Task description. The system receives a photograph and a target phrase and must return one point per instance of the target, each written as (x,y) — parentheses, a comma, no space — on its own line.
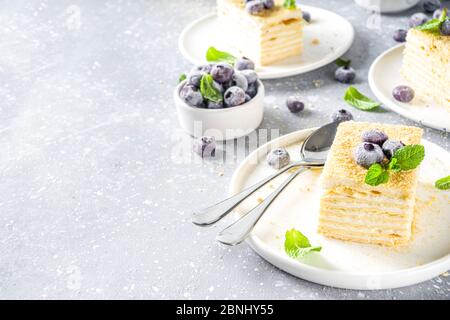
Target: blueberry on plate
(294,104)
(234,96)
(345,74)
(222,72)
(341,115)
(251,76)
(374,136)
(254,7)
(445,28)
(244,64)
(214,105)
(417,19)
(366,154)
(278,158)
(205,146)
(191,96)
(239,80)
(306,16)
(391,146)
(400,35)
(403,93)
(430,6)
(269,4)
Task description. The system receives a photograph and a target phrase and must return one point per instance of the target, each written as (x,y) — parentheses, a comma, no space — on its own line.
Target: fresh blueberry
(205,146)
(252,89)
(341,115)
(194,78)
(445,28)
(247,98)
(234,96)
(345,74)
(403,93)
(218,86)
(269,4)
(374,136)
(254,7)
(430,6)
(391,146)
(306,16)
(191,96)
(417,19)
(222,72)
(244,64)
(251,76)
(278,158)
(294,104)
(239,80)
(204,68)
(366,154)
(400,35)
(437,14)
(214,105)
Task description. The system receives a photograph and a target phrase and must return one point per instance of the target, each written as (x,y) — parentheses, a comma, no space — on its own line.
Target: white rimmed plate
(326,38)
(344,264)
(384,75)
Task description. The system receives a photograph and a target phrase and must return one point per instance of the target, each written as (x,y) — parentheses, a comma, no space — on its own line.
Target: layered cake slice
(426,66)
(264,35)
(353,210)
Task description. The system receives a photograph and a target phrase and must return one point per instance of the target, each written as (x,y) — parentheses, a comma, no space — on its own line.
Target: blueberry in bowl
(220,100)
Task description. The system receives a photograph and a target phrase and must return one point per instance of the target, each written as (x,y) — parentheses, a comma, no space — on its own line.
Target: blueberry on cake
(265,31)
(369,183)
(426,60)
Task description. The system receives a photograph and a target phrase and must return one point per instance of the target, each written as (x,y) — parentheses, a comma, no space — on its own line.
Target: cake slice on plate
(426,66)
(266,37)
(351,209)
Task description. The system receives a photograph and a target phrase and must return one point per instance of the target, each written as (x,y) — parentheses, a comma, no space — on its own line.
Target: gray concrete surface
(93,202)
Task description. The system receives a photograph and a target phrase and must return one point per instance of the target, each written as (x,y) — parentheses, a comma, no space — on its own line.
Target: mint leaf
(355,98)
(376,175)
(409,157)
(290,4)
(214,55)
(208,90)
(297,245)
(443,184)
(434,25)
(182,78)
(343,63)
(393,166)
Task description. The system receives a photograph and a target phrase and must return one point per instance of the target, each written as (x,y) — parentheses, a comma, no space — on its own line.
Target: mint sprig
(290,4)
(356,99)
(434,25)
(406,158)
(208,90)
(343,63)
(214,55)
(182,78)
(443,183)
(297,245)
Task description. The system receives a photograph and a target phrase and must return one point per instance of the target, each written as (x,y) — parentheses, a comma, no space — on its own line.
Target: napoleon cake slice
(267,37)
(426,66)
(352,210)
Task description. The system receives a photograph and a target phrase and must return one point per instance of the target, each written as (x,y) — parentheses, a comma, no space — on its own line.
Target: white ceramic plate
(344,264)
(334,34)
(384,75)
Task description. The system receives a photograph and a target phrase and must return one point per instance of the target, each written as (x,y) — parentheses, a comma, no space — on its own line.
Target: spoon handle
(240,229)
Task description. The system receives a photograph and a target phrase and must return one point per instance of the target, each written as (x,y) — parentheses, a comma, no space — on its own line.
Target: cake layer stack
(266,38)
(426,66)
(354,211)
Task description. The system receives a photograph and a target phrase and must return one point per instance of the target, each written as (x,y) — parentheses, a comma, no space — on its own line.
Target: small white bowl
(222,124)
(387,6)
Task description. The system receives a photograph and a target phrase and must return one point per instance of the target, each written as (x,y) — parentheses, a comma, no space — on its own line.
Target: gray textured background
(93,202)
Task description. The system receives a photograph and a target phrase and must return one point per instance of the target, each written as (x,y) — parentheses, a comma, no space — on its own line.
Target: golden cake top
(277,14)
(438,42)
(341,168)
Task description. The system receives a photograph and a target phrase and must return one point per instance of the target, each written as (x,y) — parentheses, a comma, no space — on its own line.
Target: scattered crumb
(220,173)
(260,200)
(315,42)
(318,83)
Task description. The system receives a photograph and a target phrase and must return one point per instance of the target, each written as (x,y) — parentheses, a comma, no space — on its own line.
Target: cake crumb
(445,274)
(260,200)
(315,42)
(318,83)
